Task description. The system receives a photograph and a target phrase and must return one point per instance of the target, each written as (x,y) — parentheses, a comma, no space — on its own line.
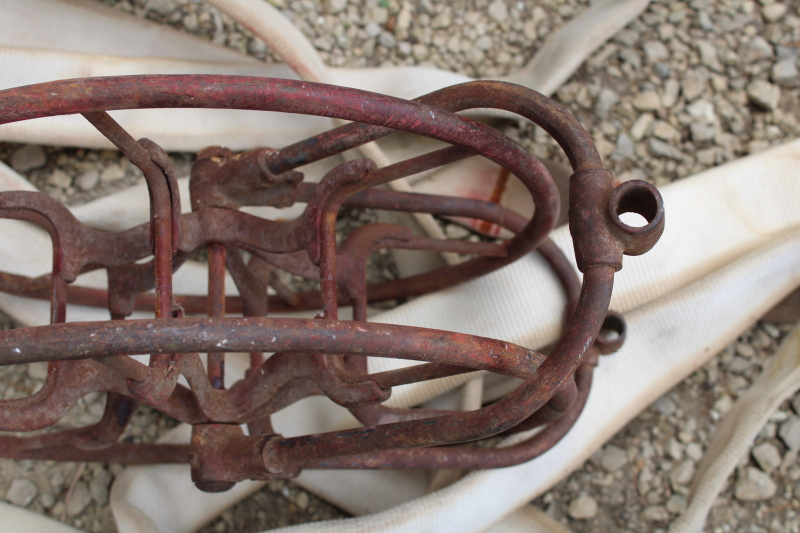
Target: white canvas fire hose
(741,217)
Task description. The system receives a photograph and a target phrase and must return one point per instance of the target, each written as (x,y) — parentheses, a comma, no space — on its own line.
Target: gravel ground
(685,87)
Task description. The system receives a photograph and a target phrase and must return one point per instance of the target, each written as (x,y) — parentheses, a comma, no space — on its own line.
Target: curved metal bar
(84,340)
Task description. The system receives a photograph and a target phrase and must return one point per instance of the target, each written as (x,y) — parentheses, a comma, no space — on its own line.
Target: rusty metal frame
(326,356)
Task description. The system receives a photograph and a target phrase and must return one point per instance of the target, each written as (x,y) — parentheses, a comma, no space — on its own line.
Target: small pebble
(753,485)
(789,432)
(682,473)
(112,173)
(774,11)
(613,458)
(655,513)
(37,371)
(498,11)
(662,149)
(647,101)
(767,456)
(655,51)
(764,94)
(88,180)
(582,508)
(21,492)
(28,157)
(302,500)
(60,179)
(676,503)
(47,500)
(784,70)
(81,498)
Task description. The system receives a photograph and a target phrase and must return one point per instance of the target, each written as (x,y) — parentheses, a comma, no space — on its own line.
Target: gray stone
(655,513)
(753,485)
(647,101)
(37,370)
(739,365)
(784,70)
(626,148)
(789,432)
(767,456)
(334,6)
(674,449)
(302,500)
(607,99)
(47,500)
(669,96)
(57,481)
(773,12)
(702,132)
(190,22)
(641,126)
(704,20)
(655,51)
(664,131)
(475,56)
(723,404)
(613,458)
(442,21)
(21,492)
(756,49)
(81,498)
(709,156)
(387,40)
(708,55)
(630,56)
(484,43)
(88,180)
(728,57)
(324,43)
(420,52)
(682,473)
(764,94)
(662,149)
(796,403)
(60,179)
(702,111)
(454,44)
(498,11)
(162,7)
(626,37)
(694,451)
(98,486)
(373,29)
(676,503)
(583,507)
(662,70)
(665,405)
(403,21)
(753,147)
(112,173)
(28,158)
(745,350)
(693,84)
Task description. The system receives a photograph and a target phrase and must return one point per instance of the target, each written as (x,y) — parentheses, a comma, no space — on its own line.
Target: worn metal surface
(326,356)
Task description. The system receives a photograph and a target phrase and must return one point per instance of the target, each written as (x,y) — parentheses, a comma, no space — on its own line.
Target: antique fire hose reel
(327,356)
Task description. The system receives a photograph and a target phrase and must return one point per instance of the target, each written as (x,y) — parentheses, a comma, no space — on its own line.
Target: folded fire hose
(693,304)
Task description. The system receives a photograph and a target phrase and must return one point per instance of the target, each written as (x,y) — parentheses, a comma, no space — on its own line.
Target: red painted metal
(326,356)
